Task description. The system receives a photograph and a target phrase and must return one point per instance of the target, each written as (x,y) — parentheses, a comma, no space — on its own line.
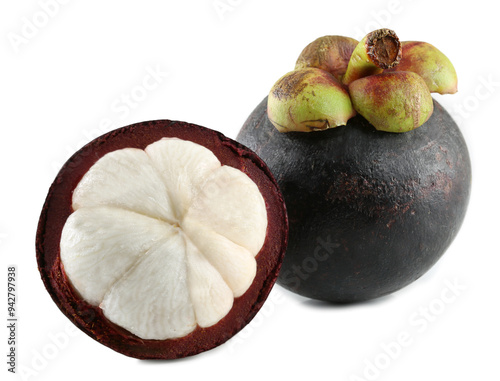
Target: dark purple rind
(369,211)
(90,319)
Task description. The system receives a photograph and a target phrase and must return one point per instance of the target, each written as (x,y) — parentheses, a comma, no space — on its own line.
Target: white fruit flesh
(163,239)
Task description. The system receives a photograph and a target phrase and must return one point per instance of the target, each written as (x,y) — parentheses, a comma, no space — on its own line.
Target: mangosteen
(375,173)
(161,239)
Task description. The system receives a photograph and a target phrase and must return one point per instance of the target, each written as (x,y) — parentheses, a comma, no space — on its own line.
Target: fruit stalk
(377,51)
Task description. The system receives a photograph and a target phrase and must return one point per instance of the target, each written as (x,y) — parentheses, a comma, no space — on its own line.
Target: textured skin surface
(369,211)
(90,319)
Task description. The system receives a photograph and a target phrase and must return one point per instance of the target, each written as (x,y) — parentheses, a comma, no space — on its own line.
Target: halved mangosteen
(162,239)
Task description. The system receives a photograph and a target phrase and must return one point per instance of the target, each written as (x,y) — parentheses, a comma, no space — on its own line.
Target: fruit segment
(183,166)
(152,299)
(99,244)
(163,239)
(211,296)
(231,205)
(235,264)
(126,179)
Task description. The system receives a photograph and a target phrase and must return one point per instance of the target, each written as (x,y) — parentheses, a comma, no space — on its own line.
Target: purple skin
(369,211)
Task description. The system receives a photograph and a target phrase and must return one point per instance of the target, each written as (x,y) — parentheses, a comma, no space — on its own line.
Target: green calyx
(309,99)
(387,81)
(392,102)
(329,53)
(429,63)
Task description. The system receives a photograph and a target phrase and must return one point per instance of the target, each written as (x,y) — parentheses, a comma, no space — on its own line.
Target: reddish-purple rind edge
(90,319)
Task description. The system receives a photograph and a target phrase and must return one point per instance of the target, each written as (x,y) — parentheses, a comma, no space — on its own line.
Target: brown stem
(377,51)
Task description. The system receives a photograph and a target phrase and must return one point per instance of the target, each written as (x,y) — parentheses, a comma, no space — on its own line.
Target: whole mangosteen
(374,202)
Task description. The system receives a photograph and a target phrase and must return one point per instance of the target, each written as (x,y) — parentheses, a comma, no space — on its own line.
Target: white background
(63,81)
